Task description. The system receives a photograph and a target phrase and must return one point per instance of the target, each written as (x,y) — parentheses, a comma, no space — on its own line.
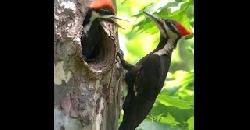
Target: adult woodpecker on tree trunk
(97,11)
(146,78)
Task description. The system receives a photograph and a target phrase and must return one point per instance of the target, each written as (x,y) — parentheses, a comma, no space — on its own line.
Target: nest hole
(100,56)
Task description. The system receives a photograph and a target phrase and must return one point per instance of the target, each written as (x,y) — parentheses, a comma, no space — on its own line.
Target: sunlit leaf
(151,125)
(169,119)
(174,101)
(180,115)
(191,123)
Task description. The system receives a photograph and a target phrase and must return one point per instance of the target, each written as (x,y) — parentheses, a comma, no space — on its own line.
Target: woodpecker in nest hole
(97,11)
(146,78)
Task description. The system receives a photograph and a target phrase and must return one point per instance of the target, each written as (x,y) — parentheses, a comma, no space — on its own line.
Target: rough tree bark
(87,96)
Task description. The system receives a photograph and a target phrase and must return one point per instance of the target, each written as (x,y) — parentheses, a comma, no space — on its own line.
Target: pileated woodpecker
(97,11)
(146,78)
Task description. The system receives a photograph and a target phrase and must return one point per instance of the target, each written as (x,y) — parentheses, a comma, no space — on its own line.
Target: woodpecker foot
(83,58)
(120,54)
(124,63)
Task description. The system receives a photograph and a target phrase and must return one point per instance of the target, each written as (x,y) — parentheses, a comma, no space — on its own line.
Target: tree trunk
(87,96)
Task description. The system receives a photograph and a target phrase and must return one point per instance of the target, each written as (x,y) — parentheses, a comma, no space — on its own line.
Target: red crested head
(183,31)
(102,4)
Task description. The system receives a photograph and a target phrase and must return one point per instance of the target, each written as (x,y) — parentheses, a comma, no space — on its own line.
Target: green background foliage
(174,107)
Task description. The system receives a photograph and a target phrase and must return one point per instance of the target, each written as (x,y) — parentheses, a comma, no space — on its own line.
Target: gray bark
(87,96)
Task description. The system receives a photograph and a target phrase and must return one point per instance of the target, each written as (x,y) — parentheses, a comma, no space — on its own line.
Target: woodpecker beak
(184,32)
(155,19)
(159,22)
(112,19)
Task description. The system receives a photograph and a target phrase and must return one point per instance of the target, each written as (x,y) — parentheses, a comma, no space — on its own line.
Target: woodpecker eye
(105,12)
(171,26)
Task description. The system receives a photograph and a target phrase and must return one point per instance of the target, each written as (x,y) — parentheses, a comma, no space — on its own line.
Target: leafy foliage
(174,107)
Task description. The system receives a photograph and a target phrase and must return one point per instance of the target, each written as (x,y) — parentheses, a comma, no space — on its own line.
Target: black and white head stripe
(167,27)
(171,25)
(101,14)
(90,12)
(93,15)
(162,26)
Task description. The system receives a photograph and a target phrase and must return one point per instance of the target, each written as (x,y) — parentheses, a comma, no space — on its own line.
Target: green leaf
(172,4)
(170,115)
(164,12)
(152,125)
(191,123)
(146,23)
(135,50)
(172,90)
(174,101)
(158,110)
(141,11)
(169,119)
(180,115)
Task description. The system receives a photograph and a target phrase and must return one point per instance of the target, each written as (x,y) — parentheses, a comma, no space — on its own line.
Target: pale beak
(155,19)
(158,22)
(112,18)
